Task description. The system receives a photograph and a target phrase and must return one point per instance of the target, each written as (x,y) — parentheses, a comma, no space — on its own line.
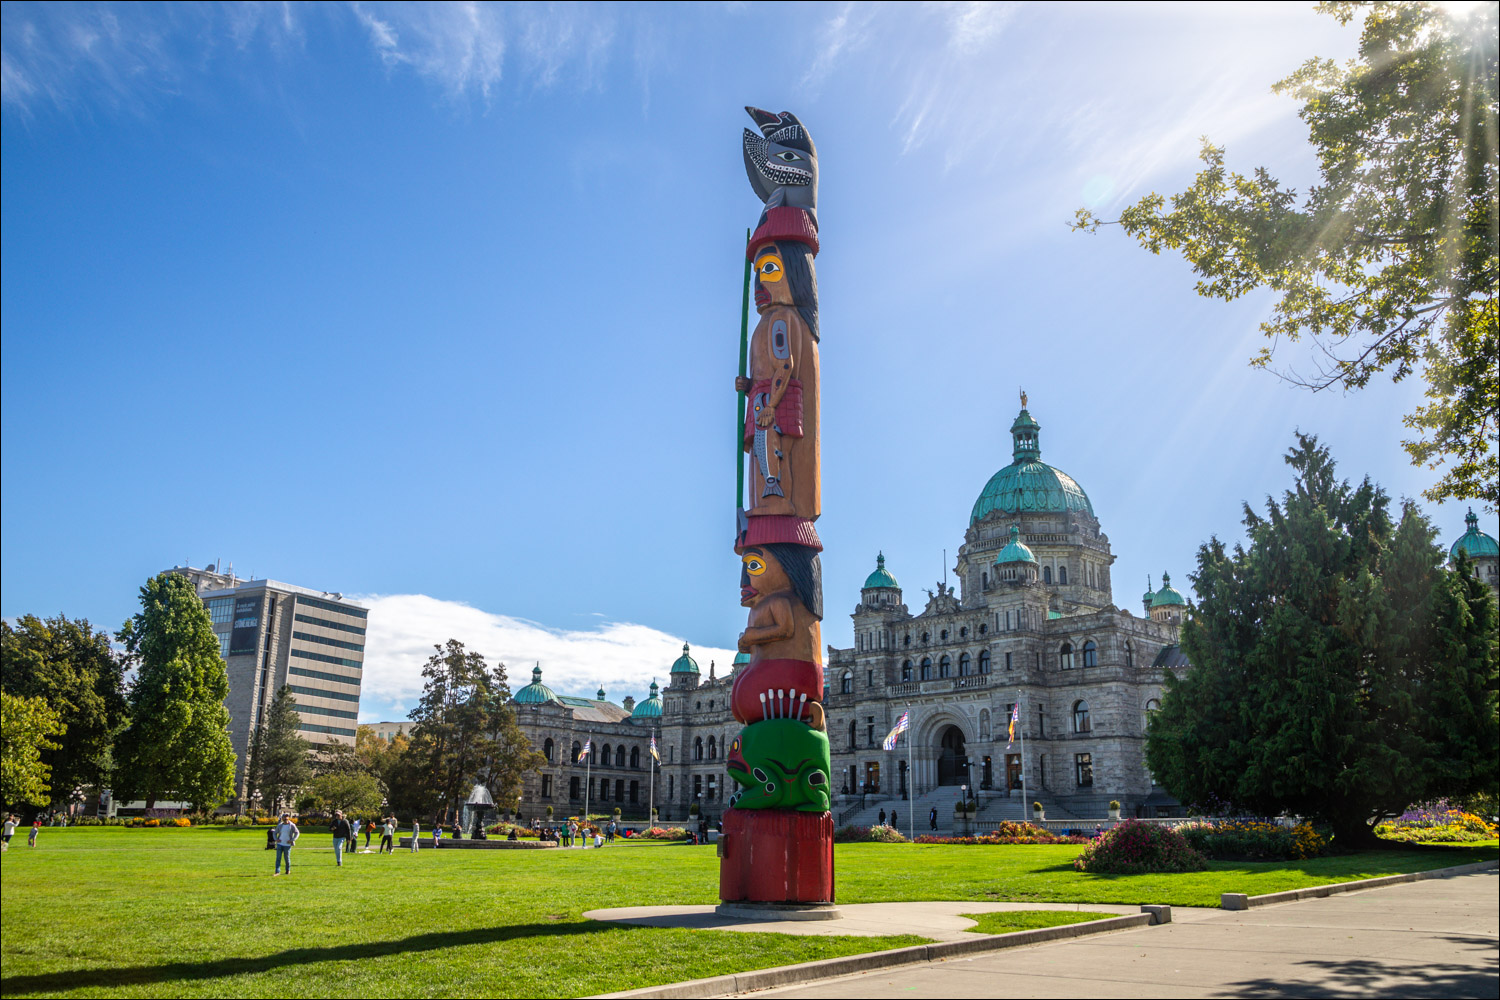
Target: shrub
(1253,840)
(1008,832)
(664,833)
(1114,804)
(1437,825)
(1136,848)
(868,835)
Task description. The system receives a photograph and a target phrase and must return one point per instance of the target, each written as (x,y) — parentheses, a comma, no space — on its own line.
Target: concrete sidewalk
(1439,938)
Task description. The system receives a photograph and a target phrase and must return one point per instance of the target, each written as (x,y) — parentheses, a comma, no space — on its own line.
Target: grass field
(114,912)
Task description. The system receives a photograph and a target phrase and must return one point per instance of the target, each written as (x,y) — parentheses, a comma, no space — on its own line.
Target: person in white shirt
(10,831)
(416,834)
(286,835)
(388,836)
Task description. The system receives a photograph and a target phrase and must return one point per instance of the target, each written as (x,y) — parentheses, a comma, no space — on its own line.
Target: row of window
(221,610)
(308,727)
(321,676)
(926,672)
(320,693)
(358,647)
(335,712)
(304,654)
(338,609)
(604,756)
(327,623)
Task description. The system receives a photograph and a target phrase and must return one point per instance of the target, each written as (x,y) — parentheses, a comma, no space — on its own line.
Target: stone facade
(1032,622)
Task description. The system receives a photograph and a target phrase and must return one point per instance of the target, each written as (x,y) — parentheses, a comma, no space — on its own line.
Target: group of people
(895,822)
(345,830)
(11,822)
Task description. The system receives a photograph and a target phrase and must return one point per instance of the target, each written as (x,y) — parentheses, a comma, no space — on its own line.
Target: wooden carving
(781,758)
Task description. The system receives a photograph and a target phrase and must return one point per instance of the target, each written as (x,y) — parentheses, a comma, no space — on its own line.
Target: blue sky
(438,304)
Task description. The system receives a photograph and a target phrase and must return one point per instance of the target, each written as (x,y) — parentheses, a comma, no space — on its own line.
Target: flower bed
(1438,825)
(663,833)
(1136,848)
(868,835)
(1253,840)
(1008,832)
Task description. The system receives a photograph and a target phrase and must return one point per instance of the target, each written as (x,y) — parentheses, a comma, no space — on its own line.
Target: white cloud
(621,657)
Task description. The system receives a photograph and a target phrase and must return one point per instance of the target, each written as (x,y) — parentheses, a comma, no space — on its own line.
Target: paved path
(1438,938)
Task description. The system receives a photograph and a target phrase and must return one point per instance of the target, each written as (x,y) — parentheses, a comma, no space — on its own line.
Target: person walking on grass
(36,828)
(388,836)
(416,834)
(354,825)
(341,836)
(286,835)
(369,829)
(10,831)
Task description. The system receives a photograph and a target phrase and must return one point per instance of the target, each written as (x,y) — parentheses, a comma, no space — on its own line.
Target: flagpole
(651,788)
(911,778)
(1021,724)
(588,781)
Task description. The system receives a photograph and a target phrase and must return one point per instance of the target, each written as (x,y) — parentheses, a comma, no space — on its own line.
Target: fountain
(480,800)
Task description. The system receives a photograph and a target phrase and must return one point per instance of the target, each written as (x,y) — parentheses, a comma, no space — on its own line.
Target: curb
(830,968)
(1240,901)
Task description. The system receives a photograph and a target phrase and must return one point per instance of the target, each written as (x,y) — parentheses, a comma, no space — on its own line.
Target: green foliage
(465,733)
(27,726)
(867,835)
(352,791)
(1136,848)
(1339,669)
(71,666)
(278,764)
(1253,840)
(1390,263)
(177,745)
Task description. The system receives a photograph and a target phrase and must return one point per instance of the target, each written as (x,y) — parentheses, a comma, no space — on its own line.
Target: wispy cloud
(621,657)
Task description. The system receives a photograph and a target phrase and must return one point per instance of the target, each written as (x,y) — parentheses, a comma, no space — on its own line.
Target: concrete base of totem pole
(777,864)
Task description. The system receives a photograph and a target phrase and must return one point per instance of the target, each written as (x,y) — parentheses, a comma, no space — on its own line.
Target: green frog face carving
(780,764)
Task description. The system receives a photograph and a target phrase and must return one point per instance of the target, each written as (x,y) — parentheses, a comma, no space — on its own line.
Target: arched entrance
(953,762)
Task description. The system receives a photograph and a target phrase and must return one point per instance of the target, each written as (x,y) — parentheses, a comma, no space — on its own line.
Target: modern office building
(273,633)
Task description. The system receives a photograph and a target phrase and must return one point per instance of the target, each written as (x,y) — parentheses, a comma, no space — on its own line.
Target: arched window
(906,639)
(1152,707)
(963,631)
(605,759)
(983,628)
(984,661)
(964,664)
(547,749)
(713,748)
(577,749)
(635,758)
(926,668)
(620,755)
(906,670)
(1046,574)
(984,580)
(846,683)
(1090,654)
(926,637)
(853,734)
(944,635)
(1065,656)
(1062,574)
(945,666)
(698,748)
(1081,717)
(1129,653)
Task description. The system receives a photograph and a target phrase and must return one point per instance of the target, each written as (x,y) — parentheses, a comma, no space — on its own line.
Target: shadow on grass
(1372,977)
(169,972)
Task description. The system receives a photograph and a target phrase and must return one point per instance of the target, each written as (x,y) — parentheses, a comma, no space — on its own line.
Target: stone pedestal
(776,856)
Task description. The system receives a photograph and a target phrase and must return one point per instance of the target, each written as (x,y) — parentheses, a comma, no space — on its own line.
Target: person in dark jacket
(342,834)
(932,819)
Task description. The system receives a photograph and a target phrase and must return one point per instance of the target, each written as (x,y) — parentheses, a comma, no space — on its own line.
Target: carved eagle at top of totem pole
(782,162)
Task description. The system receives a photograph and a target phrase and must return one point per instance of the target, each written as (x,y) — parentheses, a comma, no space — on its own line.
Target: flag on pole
(585,751)
(896,730)
(653,749)
(1015,717)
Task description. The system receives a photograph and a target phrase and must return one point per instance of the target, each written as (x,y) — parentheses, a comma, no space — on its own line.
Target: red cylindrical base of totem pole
(776,856)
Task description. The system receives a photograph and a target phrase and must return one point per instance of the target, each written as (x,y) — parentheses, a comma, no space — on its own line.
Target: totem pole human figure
(778,832)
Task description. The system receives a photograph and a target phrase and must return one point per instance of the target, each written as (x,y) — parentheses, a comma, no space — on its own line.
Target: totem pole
(778,833)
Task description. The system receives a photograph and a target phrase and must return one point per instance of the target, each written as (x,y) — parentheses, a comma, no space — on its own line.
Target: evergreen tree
(70,666)
(279,763)
(177,745)
(1339,670)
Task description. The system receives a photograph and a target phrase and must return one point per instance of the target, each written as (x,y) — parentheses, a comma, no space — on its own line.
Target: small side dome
(600,696)
(1149,595)
(535,693)
(1474,542)
(740,660)
(685,664)
(881,578)
(1015,550)
(1167,594)
(651,707)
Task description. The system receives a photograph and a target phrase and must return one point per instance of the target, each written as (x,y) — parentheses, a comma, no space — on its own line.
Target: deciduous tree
(1390,262)
(27,726)
(71,666)
(177,744)
(1340,670)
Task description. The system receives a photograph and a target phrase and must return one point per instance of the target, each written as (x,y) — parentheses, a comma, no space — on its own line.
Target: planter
(1114,815)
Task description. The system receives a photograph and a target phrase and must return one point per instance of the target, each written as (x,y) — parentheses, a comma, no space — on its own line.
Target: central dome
(1028,483)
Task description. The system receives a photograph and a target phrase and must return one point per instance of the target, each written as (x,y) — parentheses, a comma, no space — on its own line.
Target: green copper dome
(535,693)
(1016,551)
(685,664)
(881,578)
(1028,483)
(651,707)
(740,660)
(1167,594)
(1150,594)
(1475,542)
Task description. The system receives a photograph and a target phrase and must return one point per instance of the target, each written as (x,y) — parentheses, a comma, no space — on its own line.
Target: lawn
(114,912)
